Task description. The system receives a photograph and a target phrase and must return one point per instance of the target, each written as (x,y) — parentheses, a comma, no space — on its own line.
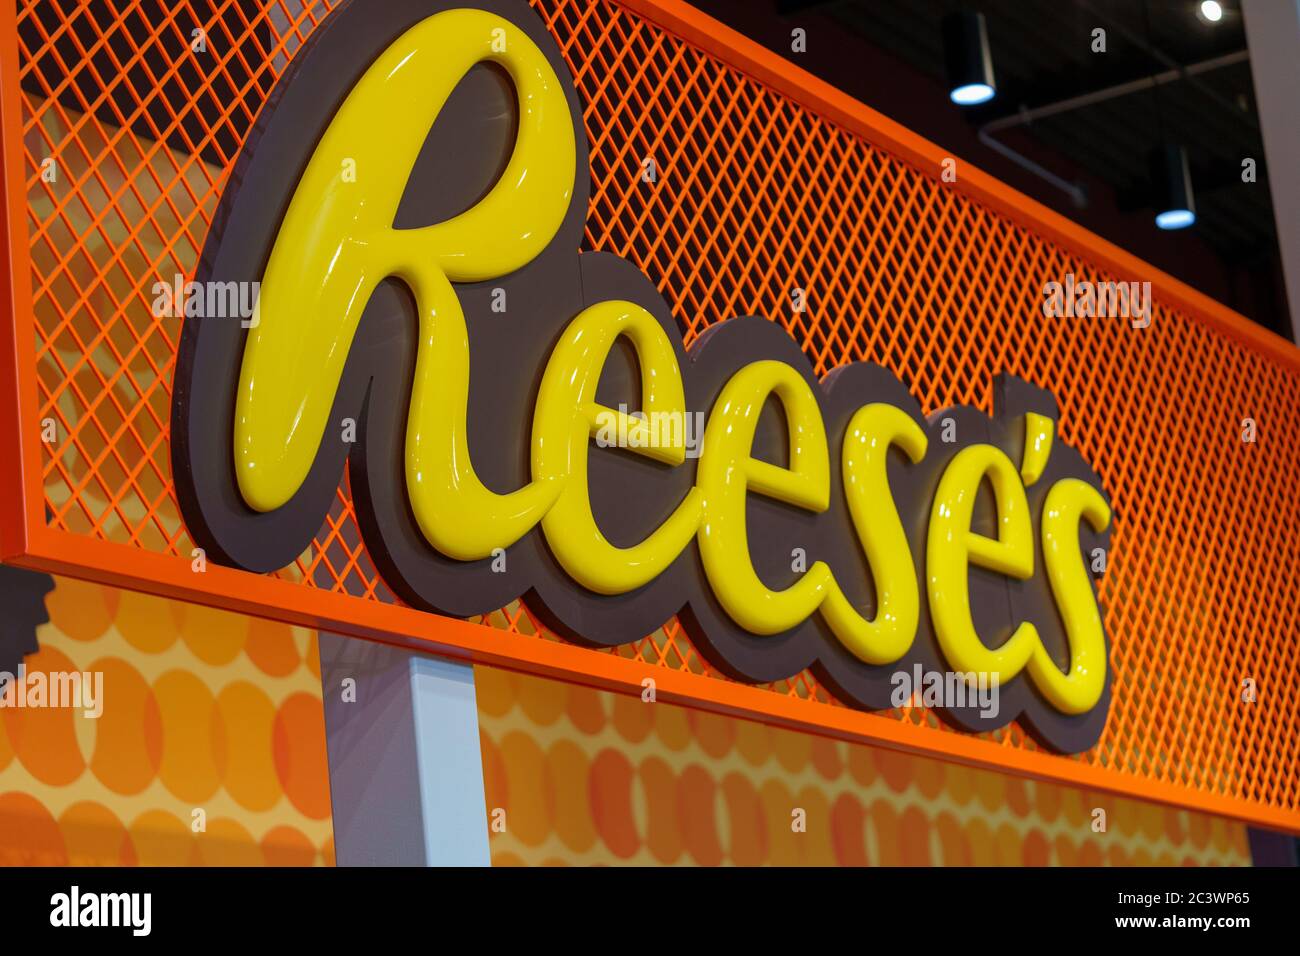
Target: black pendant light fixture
(969,62)
(1170,176)
(1171,185)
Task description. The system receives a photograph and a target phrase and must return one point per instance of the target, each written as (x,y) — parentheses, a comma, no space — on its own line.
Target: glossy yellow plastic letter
(337,242)
(727,472)
(566,418)
(1076,692)
(952,547)
(871,432)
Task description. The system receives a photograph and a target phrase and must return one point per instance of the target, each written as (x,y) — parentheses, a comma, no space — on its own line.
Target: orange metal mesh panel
(756,195)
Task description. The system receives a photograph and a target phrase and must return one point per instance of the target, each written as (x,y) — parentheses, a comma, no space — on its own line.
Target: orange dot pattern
(210,711)
(210,749)
(579,777)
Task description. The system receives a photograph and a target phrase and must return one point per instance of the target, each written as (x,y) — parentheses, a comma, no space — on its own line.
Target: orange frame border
(26,540)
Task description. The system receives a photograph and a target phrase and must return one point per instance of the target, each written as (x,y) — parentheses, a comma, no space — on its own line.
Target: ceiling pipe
(1025,117)
(1173,64)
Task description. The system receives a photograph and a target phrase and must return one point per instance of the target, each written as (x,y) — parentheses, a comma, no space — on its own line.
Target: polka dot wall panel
(210,750)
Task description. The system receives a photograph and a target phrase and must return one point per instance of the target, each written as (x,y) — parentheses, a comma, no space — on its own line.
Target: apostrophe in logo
(412,203)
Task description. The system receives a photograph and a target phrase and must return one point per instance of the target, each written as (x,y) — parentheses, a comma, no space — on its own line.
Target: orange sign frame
(28,540)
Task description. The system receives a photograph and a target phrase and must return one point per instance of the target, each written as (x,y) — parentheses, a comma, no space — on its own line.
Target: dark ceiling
(1040,59)
(889,54)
